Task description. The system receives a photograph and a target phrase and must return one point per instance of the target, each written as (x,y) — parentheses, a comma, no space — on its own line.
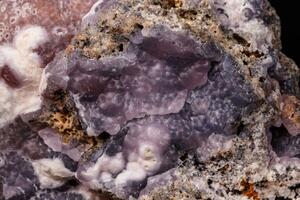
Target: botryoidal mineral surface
(147,99)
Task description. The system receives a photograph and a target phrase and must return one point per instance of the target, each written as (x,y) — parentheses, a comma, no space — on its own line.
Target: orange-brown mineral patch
(291,114)
(249,190)
(167,4)
(110,38)
(60,18)
(62,117)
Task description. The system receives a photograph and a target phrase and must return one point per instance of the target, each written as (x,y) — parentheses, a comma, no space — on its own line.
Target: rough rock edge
(251,152)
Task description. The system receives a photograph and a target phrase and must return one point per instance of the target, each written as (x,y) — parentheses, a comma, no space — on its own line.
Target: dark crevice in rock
(167,4)
(187,14)
(240,40)
(283,143)
(282,198)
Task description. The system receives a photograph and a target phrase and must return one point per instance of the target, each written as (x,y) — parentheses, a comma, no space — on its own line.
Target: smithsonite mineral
(147,99)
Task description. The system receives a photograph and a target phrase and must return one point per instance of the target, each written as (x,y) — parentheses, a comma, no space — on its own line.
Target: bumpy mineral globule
(150,100)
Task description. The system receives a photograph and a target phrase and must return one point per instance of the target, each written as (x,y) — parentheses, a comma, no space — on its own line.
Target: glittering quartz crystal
(146,99)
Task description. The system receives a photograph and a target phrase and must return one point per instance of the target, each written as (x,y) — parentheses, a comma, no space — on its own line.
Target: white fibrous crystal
(51,172)
(24,63)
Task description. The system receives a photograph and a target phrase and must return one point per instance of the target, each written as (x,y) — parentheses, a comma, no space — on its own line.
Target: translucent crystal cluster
(146,99)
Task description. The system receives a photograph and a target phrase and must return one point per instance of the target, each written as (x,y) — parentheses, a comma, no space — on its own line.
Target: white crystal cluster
(25,64)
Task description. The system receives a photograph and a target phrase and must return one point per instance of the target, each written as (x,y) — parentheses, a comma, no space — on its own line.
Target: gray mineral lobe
(152,100)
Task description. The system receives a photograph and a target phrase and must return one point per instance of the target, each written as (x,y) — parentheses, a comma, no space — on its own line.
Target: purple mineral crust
(151,77)
(149,97)
(20,149)
(165,93)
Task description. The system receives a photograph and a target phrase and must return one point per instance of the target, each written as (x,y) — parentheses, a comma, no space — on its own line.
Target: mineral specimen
(31,33)
(151,99)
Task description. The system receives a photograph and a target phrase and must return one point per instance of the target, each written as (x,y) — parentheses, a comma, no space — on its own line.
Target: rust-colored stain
(62,117)
(175,3)
(249,190)
(168,4)
(290,113)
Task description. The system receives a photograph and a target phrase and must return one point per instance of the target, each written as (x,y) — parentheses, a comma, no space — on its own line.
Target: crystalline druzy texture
(151,77)
(152,99)
(165,92)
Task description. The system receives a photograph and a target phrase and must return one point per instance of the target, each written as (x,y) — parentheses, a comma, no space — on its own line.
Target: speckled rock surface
(152,99)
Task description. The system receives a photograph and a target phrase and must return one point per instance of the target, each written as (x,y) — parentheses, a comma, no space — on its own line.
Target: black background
(290,25)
